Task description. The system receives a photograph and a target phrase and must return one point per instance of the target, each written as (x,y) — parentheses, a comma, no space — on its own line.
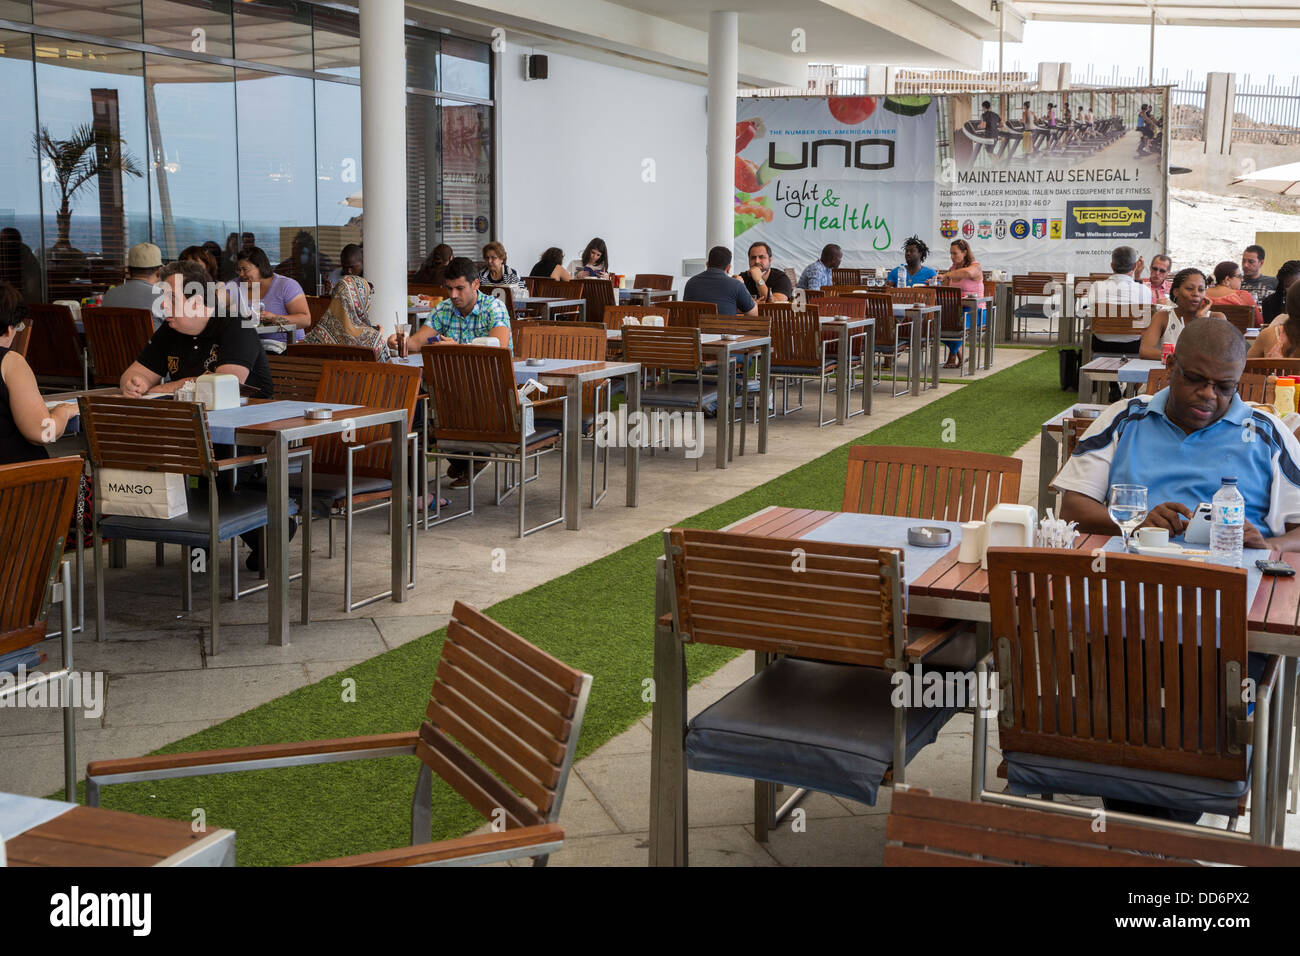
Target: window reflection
(192,157)
(423,177)
(464,68)
(20,204)
(277,175)
(112,21)
(337,42)
(275,32)
(19,11)
(338,170)
(422,60)
(466,177)
(92,133)
(191,26)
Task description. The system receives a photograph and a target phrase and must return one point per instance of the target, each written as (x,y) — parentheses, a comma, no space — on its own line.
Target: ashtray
(728,337)
(319,414)
(534,362)
(928,537)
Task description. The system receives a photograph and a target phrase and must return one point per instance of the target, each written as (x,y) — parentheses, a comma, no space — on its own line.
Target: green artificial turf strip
(598,618)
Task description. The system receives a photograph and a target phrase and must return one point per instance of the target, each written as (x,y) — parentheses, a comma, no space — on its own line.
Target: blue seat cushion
(779,370)
(827,727)
(239,512)
(28,658)
(1033,774)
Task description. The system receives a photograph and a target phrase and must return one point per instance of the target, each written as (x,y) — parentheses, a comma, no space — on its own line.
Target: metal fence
(1267,111)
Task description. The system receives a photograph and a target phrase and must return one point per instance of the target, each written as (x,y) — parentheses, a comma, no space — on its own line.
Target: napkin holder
(488,340)
(216,391)
(1008,526)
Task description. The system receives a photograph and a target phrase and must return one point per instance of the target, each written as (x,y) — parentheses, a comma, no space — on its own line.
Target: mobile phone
(1279,568)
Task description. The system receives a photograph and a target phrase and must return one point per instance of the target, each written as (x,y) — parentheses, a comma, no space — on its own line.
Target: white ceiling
(1225,13)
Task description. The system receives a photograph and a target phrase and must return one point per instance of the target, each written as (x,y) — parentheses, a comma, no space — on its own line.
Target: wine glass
(1128,509)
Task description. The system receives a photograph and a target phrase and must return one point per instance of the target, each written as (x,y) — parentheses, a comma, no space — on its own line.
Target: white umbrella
(353,200)
(1287,176)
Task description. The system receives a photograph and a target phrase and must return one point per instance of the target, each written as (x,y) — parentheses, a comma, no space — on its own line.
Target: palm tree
(77,160)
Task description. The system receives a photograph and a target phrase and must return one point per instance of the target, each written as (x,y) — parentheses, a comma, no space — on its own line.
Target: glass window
(421,60)
(466,177)
(277,181)
(338,170)
(423,177)
(191,26)
(192,156)
(20,201)
(93,159)
(112,21)
(275,32)
(17,10)
(464,68)
(338,42)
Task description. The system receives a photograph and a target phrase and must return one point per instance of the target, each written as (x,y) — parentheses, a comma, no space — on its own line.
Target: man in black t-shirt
(762,282)
(991,121)
(193,340)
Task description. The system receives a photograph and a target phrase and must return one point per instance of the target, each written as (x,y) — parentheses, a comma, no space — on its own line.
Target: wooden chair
(799,352)
(1242,317)
(925,830)
(735,324)
(913,295)
(676,349)
(53,346)
(172,438)
(846,277)
(956,324)
(652,280)
(851,288)
(503,292)
(501,729)
(599,295)
(1088,685)
(805,718)
(36,503)
(359,472)
(559,289)
(893,338)
(317,306)
(115,338)
(1116,319)
(1252,387)
(557,340)
(615,314)
(1043,289)
(332,353)
(936,483)
(530,283)
(432,291)
(478,418)
(294,377)
(1281,367)
(686,315)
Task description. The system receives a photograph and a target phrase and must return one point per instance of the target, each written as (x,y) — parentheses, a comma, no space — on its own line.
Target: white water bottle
(1227,524)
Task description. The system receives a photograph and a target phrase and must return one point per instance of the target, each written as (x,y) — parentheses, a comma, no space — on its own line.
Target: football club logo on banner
(1020,228)
(986,229)
(1057,225)
(948,228)
(1040,228)
(968,229)
(1000,229)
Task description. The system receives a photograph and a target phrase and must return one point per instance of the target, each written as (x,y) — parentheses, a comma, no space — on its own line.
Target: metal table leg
(277,540)
(397,510)
(994,316)
(1049,458)
(868,363)
(572,425)
(1280,758)
(724,387)
(914,353)
(632,392)
(936,348)
(764,394)
(843,376)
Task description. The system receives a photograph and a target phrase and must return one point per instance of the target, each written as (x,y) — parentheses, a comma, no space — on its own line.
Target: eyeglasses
(1197,382)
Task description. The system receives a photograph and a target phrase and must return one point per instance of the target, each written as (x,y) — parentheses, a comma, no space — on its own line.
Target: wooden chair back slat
(838,603)
(425,288)
(796,336)
(1253,386)
(846,277)
(952,317)
(686,315)
(1242,317)
(564,341)
(655,348)
(851,288)
(937,483)
(363,383)
(855,307)
(600,295)
(878,306)
(1034,285)
(146,435)
(652,280)
(615,314)
(472,388)
(1110,318)
(36,502)
(914,295)
(1282,367)
(317,306)
(736,324)
(1166,699)
(512,707)
(332,353)
(925,830)
(53,347)
(294,378)
(503,292)
(115,337)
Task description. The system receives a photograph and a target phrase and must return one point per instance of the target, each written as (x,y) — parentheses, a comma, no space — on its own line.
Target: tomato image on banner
(852,110)
(746,176)
(746,130)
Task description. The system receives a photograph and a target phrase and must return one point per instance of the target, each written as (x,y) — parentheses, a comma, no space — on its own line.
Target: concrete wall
(573,165)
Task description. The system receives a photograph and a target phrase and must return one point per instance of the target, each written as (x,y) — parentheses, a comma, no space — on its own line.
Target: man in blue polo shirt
(1181,442)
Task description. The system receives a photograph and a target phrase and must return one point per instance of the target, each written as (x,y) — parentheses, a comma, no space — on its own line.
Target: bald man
(1181,442)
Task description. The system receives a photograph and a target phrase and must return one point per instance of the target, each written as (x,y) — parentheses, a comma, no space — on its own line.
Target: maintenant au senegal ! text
(977,176)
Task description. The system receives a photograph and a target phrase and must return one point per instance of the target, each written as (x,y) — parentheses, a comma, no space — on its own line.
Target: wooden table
(71,835)
(1128,369)
(1050,447)
(951,589)
(849,329)
(573,377)
(645,296)
(725,348)
(550,304)
(974,303)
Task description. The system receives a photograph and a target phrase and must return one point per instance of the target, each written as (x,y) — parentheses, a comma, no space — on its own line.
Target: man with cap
(141,289)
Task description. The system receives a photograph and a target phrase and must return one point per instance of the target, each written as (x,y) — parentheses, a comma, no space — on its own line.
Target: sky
(1256,51)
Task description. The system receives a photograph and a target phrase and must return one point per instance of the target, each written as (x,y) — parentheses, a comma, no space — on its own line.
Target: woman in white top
(1187,293)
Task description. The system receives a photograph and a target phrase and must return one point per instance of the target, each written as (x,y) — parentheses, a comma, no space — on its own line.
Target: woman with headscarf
(344,322)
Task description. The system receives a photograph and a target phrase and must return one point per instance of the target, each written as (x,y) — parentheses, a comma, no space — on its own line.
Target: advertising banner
(1059,182)
(858,171)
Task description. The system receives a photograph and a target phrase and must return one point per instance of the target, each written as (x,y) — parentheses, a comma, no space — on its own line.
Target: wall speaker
(537,66)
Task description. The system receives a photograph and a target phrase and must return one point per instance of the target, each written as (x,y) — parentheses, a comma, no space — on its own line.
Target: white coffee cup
(1153,537)
(973,538)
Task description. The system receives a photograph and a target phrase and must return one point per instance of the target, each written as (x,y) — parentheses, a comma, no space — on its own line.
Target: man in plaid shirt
(469,314)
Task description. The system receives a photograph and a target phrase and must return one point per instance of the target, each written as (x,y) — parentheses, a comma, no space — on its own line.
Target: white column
(383,157)
(724,29)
